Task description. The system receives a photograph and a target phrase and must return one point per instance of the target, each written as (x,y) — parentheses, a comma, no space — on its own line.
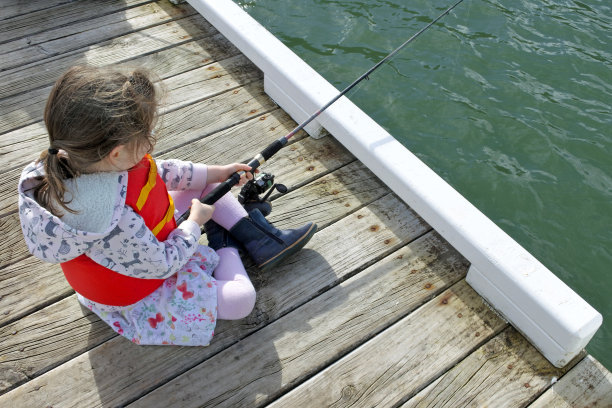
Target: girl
(98,203)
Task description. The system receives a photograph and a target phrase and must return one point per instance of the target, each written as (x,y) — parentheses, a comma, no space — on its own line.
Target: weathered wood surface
(12,8)
(505,372)
(17,27)
(120,49)
(46,338)
(587,385)
(26,108)
(85,32)
(317,333)
(373,312)
(396,363)
(8,196)
(73,338)
(123,372)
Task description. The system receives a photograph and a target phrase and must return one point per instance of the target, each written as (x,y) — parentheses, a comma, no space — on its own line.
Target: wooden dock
(374,312)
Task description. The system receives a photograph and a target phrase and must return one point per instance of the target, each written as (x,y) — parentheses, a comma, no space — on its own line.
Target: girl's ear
(114,157)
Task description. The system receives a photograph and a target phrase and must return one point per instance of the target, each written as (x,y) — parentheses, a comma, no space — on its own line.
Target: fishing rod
(275,146)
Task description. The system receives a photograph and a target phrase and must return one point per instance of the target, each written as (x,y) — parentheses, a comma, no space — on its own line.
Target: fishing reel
(250,193)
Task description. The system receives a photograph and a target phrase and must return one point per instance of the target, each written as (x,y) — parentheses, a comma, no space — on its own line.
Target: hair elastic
(51,150)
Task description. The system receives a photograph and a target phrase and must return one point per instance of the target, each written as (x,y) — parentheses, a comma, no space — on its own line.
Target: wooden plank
(185,57)
(12,8)
(29,285)
(8,193)
(75,337)
(120,49)
(26,108)
(13,249)
(586,385)
(82,34)
(22,146)
(52,335)
(23,109)
(213,115)
(211,80)
(393,226)
(349,188)
(318,333)
(506,372)
(118,371)
(221,111)
(409,355)
(38,21)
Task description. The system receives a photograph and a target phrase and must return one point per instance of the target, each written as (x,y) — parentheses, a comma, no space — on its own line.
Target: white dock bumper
(551,315)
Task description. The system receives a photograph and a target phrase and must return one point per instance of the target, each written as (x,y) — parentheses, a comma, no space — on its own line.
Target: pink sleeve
(182,175)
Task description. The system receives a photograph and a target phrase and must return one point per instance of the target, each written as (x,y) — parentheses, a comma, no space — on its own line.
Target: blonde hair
(89,112)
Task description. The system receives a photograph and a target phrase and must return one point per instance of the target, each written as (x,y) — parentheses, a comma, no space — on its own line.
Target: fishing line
(275,146)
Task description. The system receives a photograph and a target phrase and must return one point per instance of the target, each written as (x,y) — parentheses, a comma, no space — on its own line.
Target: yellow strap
(167,217)
(144,193)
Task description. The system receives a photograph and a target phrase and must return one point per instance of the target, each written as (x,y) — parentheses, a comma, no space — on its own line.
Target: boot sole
(296,246)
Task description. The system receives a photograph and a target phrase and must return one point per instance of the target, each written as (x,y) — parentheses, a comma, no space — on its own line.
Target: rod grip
(273,148)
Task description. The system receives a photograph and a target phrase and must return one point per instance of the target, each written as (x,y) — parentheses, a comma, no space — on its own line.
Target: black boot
(218,237)
(266,244)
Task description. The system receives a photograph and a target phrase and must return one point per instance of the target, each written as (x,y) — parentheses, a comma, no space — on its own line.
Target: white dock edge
(551,315)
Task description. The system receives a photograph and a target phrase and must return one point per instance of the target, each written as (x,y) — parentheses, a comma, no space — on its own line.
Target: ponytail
(51,191)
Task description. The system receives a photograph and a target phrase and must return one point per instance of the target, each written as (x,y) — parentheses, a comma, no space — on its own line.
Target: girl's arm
(182,175)
(218,174)
(132,249)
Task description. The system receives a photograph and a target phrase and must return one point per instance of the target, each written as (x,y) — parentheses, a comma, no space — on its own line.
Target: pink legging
(235,292)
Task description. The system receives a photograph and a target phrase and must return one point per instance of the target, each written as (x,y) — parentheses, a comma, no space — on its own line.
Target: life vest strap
(169,215)
(151,181)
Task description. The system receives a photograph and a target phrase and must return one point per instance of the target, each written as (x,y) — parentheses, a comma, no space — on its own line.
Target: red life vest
(147,195)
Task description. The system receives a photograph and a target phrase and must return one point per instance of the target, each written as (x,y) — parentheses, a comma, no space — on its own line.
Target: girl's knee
(235,300)
(247,302)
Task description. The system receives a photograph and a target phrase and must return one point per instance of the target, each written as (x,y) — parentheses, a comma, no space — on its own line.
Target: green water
(509,101)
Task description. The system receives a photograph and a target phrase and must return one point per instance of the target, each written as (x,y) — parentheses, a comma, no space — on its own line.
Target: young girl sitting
(98,203)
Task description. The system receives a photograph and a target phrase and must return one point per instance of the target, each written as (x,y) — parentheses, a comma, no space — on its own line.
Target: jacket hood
(47,236)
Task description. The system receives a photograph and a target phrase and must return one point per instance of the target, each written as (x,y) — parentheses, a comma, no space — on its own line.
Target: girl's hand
(200,213)
(218,174)
(243,177)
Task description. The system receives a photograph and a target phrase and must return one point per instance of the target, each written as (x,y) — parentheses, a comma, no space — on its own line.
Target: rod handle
(273,147)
